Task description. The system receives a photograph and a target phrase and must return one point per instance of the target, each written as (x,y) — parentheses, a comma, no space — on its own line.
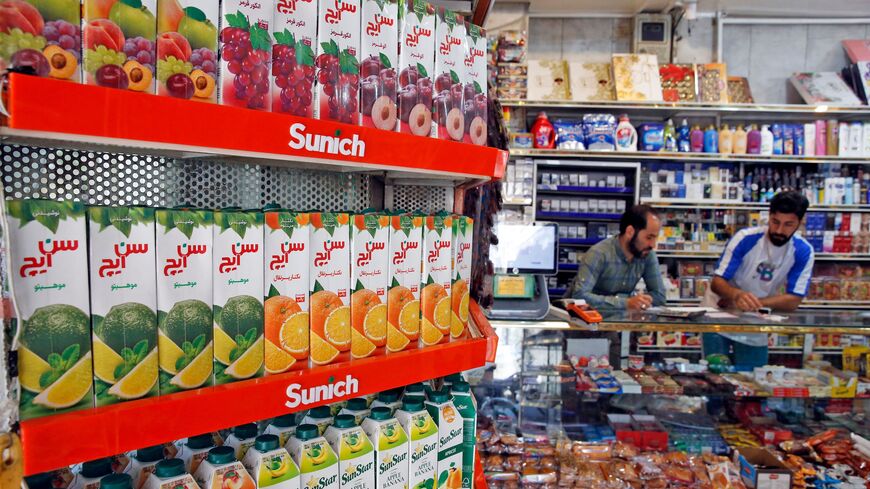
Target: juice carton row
(396,65)
(415,436)
(119,303)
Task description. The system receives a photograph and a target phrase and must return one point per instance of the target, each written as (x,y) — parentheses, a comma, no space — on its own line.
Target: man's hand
(747,301)
(640,302)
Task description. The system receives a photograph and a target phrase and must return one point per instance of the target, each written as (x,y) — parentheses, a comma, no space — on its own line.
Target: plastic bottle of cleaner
(270,465)
(389,399)
(116,481)
(241,439)
(356,456)
(91,474)
(465,403)
(358,408)
(423,441)
(284,426)
(767,140)
(670,137)
(697,139)
(314,457)
(221,469)
(776,132)
(684,144)
(726,138)
(142,464)
(753,140)
(543,134)
(170,473)
(391,449)
(626,135)
(711,140)
(320,417)
(450,440)
(194,450)
(738,141)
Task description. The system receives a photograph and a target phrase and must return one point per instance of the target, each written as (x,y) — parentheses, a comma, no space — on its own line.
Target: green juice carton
(358,408)
(283,426)
(238,295)
(356,456)
(318,464)
(391,449)
(184,293)
(170,474)
(422,442)
(48,269)
(270,465)
(321,416)
(221,470)
(143,463)
(242,439)
(466,404)
(450,440)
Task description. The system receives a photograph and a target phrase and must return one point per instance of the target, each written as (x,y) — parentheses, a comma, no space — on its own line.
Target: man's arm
(783,302)
(652,277)
(591,266)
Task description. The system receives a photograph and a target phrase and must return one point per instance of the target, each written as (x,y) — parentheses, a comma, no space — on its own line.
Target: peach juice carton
(45,37)
(119,49)
(187,56)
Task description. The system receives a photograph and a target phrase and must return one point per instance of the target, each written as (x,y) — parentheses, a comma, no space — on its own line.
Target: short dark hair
(789,202)
(635,217)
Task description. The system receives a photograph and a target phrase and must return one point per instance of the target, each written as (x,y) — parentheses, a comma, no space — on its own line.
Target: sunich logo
(297,396)
(323,143)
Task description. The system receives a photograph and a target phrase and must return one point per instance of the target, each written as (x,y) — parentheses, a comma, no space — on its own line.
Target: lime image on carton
(270,465)
(318,463)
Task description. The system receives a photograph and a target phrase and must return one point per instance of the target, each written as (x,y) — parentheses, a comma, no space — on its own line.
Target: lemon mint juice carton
(318,464)
(422,442)
(356,456)
(329,284)
(286,254)
(170,474)
(391,449)
(437,277)
(221,470)
(48,270)
(405,272)
(270,465)
(463,233)
(450,440)
(465,403)
(184,297)
(238,295)
(369,238)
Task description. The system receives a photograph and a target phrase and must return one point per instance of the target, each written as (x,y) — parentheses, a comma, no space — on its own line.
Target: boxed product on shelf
(246,53)
(57,41)
(463,235)
(369,242)
(417,67)
(119,45)
(712,83)
(823,88)
(678,82)
(591,81)
(636,77)
(294,29)
(548,80)
(405,277)
(761,469)
(187,58)
(451,46)
(437,275)
(336,90)
(330,288)
(476,93)
(379,58)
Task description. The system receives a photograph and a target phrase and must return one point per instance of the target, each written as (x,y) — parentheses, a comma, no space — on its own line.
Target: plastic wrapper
(493,462)
(647,468)
(569,134)
(501,476)
(600,132)
(513,462)
(593,451)
(678,474)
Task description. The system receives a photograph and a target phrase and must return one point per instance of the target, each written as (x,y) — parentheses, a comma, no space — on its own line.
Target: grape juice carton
(356,455)
(405,272)
(48,269)
(422,442)
(187,57)
(476,101)
(237,264)
(435,296)
(466,405)
(246,53)
(45,36)
(450,439)
(416,66)
(222,470)
(184,297)
(270,465)
(123,303)
(463,235)
(369,240)
(318,464)
(379,57)
(336,93)
(287,257)
(119,48)
(170,474)
(329,284)
(391,449)
(450,48)
(294,28)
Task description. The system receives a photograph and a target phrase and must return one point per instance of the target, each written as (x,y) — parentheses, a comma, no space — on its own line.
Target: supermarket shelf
(683,157)
(748,206)
(93,117)
(807,304)
(579,241)
(697,349)
(714,255)
(569,189)
(574,216)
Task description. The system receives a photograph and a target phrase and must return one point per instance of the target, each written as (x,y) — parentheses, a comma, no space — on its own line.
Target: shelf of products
(689,157)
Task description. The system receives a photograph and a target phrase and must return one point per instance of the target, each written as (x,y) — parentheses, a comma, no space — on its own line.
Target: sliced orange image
(430,334)
(361,347)
(396,340)
(322,353)
(277,360)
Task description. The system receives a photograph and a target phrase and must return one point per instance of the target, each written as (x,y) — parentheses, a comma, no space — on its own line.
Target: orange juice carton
(194,450)
(238,295)
(318,463)
(143,463)
(321,417)
(270,465)
(422,442)
(91,474)
(187,57)
(241,439)
(294,28)
(246,54)
(329,284)
(283,426)
(44,36)
(435,296)
(356,455)
(119,48)
(451,41)
(184,297)
(169,474)
(336,92)
(222,470)
(48,269)
(391,449)
(406,268)
(379,57)
(475,108)
(286,255)
(450,440)
(388,399)
(416,67)
(463,234)
(369,241)
(358,408)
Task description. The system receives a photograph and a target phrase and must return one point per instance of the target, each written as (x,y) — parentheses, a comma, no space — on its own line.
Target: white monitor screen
(525,248)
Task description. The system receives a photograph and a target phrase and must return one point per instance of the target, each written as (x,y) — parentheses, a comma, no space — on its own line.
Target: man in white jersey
(757,263)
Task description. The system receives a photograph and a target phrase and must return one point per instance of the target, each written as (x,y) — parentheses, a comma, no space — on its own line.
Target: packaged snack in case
(451,44)
(294,28)
(246,54)
(187,60)
(45,36)
(379,57)
(336,94)
(416,65)
(119,49)
(475,111)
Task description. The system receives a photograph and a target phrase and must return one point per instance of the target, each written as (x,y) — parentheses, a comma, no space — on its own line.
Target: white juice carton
(242,439)
(143,463)
(246,54)
(451,40)
(329,284)
(221,470)
(294,28)
(406,269)
(123,303)
(391,449)
(320,417)
(450,429)
(416,67)
(194,450)
(270,465)
(170,474)
(92,473)
(283,426)
(48,268)
(422,442)
(356,455)
(476,101)
(388,399)
(379,57)
(369,241)
(463,235)
(238,295)
(184,298)
(336,94)
(466,404)
(435,296)
(318,464)
(358,408)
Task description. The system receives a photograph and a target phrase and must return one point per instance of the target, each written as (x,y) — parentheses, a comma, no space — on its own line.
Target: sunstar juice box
(321,417)
(329,284)
(450,51)
(123,302)
(221,470)
(287,257)
(119,44)
(450,428)
(463,235)
(378,61)
(370,239)
(294,28)
(241,439)
(422,442)
(435,296)
(416,67)
(476,101)
(465,403)
(318,463)
(391,449)
(187,58)
(336,93)
(283,426)
(270,465)
(406,269)
(238,295)
(184,297)
(45,36)
(356,455)
(48,269)
(246,53)
(143,463)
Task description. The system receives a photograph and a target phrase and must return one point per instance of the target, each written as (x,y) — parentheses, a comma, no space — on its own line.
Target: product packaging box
(329,285)
(294,29)
(54,29)
(450,436)
(435,296)
(317,462)
(379,57)
(476,102)
(246,52)
(230,473)
(760,469)
(187,58)
(356,455)
(416,67)
(463,235)
(451,44)
(405,273)
(336,91)
(270,465)
(370,239)
(119,43)
(391,451)
(422,444)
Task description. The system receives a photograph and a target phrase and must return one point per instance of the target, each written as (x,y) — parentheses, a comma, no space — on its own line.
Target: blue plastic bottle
(711,140)
(776,129)
(683,141)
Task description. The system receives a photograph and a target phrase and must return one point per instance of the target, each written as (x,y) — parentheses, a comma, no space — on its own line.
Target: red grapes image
(293,69)
(246,52)
(338,79)
(415,100)
(378,94)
